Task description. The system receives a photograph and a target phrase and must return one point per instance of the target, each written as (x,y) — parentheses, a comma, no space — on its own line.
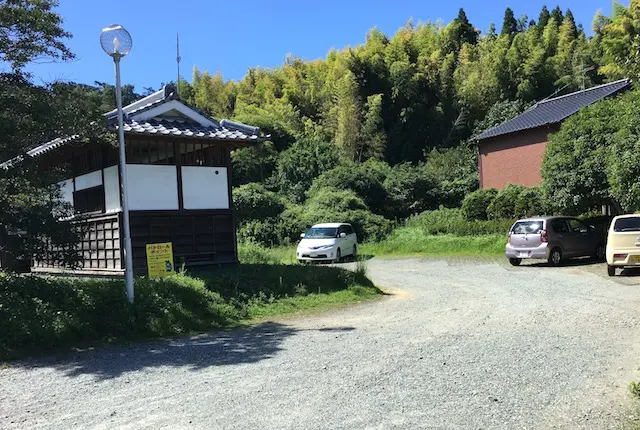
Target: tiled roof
(180,127)
(555,110)
(221,131)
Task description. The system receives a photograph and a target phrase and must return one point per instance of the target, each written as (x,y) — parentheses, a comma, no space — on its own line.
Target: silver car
(553,238)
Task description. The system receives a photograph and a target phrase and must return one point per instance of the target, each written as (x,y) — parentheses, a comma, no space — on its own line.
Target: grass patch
(634,389)
(44,314)
(251,253)
(408,241)
(312,302)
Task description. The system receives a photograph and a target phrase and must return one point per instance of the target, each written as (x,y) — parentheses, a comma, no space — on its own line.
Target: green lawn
(404,241)
(409,241)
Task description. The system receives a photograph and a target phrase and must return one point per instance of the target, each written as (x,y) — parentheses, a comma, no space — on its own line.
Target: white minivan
(328,242)
(623,243)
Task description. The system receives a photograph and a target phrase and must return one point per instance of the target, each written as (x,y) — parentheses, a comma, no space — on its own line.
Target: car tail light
(544,237)
(620,256)
(510,236)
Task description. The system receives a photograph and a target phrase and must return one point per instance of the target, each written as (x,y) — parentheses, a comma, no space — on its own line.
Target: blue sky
(231,37)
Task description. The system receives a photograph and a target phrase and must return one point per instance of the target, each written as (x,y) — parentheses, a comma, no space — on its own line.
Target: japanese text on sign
(159,259)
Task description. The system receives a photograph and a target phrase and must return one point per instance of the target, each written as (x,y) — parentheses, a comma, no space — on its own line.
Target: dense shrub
(455,171)
(254,163)
(530,202)
(337,200)
(254,202)
(475,204)
(299,165)
(267,232)
(410,190)
(452,221)
(364,181)
(368,226)
(503,206)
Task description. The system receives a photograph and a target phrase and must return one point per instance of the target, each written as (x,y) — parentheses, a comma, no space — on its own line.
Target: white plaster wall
(111,189)
(152,187)
(203,188)
(89,180)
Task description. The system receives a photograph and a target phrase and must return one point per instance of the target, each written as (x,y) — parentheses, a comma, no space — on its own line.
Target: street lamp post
(116,42)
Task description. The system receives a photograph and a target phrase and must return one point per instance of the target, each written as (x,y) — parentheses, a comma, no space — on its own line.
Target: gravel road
(456,344)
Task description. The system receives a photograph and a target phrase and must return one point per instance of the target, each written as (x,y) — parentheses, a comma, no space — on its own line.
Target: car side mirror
(343,234)
(302,235)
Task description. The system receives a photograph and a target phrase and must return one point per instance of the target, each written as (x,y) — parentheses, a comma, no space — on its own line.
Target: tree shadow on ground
(220,348)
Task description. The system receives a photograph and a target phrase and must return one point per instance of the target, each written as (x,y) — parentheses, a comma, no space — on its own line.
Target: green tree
(359,178)
(503,205)
(29,116)
(299,165)
(556,14)
(455,171)
(509,23)
(574,167)
(475,204)
(373,139)
(543,18)
(253,164)
(410,190)
(254,202)
(30,30)
(349,116)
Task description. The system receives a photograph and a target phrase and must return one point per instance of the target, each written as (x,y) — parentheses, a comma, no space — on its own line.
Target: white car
(623,243)
(327,242)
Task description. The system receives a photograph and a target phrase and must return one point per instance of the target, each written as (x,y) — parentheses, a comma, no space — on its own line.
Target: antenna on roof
(178,58)
(556,92)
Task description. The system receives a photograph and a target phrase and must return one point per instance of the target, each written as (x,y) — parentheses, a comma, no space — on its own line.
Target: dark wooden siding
(199,237)
(99,249)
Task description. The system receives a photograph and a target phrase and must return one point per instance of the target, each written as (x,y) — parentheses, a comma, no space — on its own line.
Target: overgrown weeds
(415,241)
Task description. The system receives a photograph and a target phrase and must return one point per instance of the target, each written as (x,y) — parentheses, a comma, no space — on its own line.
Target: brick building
(512,152)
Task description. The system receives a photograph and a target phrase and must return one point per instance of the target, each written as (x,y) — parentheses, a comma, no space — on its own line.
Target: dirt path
(463,344)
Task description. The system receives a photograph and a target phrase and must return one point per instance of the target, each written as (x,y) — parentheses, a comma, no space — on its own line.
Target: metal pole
(128,268)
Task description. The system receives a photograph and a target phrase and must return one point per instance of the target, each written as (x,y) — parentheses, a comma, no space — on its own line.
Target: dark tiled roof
(553,111)
(180,127)
(224,131)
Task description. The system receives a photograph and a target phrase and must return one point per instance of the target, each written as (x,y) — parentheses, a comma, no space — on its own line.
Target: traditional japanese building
(179,185)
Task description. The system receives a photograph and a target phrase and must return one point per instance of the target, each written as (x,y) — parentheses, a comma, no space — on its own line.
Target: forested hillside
(427,86)
(372,133)
(388,121)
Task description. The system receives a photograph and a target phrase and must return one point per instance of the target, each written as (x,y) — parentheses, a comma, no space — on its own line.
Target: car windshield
(321,233)
(527,227)
(627,224)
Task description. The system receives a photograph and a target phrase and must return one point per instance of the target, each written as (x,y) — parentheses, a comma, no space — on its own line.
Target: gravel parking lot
(456,344)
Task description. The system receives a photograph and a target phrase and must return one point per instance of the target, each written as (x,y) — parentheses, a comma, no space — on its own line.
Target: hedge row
(513,201)
(454,222)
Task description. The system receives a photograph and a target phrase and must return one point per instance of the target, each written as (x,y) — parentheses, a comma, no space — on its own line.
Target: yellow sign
(159,259)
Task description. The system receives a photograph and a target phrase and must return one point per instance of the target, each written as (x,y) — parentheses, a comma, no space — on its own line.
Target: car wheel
(338,256)
(555,257)
(600,253)
(611,270)
(515,261)
(355,253)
